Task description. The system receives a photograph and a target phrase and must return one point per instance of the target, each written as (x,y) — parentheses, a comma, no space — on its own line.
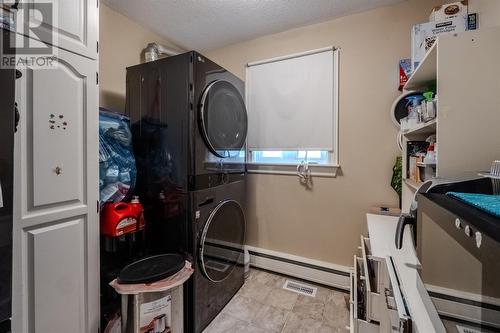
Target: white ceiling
(209,24)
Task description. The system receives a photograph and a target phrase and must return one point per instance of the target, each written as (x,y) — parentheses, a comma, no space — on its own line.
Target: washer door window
(224,120)
(221,244)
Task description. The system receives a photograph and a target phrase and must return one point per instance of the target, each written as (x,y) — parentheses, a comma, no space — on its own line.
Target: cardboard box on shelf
(414,170)
(424,35)
(450,11)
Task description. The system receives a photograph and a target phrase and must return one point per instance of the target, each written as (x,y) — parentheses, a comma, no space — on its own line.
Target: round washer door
(223,118)
(221,243)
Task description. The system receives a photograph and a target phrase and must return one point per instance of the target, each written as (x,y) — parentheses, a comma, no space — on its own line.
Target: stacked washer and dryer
(189,126)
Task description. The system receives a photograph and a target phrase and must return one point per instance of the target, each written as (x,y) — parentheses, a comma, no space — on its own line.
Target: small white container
(404,124)
(413,118)
(423,110)
(430,110)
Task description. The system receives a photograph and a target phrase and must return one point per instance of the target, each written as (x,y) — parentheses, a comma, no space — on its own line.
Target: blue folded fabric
(486,202)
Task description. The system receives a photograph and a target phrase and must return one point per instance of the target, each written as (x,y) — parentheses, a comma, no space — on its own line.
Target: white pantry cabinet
(74,25)
(56,227)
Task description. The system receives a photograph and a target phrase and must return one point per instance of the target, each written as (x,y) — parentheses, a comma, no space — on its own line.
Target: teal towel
(486,202)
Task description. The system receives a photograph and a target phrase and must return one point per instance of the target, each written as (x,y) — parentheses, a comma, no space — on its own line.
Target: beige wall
(121,41)
(325,223)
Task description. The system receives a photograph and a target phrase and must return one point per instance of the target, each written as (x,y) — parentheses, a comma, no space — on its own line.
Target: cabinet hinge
(97,46)
(97,206)
(96,77)
(97,3)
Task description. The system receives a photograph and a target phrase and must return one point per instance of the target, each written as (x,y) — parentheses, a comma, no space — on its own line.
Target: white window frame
(320,170)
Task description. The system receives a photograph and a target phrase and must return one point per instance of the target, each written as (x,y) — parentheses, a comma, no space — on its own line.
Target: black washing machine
(193,111)
(219,228)
(219,128)
(189,126)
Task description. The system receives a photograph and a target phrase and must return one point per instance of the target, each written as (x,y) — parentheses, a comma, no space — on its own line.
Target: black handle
(17,117)
(404,220)
(207,201)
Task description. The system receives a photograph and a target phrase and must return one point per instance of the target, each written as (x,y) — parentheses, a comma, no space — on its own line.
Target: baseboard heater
(467,311)
(302,268)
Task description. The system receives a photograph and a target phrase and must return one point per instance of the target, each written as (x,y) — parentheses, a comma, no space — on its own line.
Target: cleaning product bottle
(430,110)
(139,212)
(413,107)
(430,157)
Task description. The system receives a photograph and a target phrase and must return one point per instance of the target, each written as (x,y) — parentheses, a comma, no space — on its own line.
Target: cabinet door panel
(56,267)
(73,27)
(55,106)
(58,115)
(56,228)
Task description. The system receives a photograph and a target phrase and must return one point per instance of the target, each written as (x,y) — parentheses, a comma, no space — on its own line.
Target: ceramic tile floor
(263,306)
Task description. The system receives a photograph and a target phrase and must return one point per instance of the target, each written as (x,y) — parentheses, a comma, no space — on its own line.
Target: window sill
(317,170)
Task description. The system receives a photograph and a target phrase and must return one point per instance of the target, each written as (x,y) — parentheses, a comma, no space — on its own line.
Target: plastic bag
(117,168)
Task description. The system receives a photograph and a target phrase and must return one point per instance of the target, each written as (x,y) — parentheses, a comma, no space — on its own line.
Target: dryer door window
(221,244)
(223,118)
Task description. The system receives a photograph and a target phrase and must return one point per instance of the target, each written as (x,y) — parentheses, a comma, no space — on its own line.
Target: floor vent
(300,288)
(462,329)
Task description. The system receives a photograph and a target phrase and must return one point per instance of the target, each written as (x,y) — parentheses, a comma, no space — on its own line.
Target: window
(291,157)
(292,110)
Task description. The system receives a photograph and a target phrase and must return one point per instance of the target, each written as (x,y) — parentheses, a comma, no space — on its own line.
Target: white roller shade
(290,102)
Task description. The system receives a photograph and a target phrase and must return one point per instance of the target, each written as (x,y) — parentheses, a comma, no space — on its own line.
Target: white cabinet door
(73,25)
(56,241)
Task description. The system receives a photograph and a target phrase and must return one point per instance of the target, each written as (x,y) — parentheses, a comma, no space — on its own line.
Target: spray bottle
(430,157)
(414,110)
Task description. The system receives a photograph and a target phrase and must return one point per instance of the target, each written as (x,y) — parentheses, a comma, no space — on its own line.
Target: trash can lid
(151,269)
